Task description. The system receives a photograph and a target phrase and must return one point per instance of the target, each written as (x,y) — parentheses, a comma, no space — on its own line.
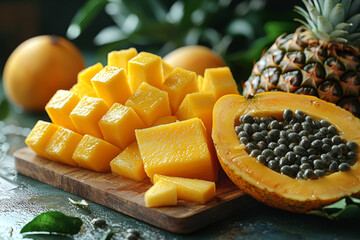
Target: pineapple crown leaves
(332,20)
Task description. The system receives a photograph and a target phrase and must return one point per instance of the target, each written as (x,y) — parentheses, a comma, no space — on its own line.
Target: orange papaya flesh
(268,186)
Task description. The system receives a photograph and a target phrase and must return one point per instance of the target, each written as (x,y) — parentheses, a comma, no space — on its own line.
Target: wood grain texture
(127,196)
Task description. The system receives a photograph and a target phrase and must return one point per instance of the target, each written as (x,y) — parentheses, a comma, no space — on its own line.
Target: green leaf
(84,16)
(346,208)
(4,109)
(53,222)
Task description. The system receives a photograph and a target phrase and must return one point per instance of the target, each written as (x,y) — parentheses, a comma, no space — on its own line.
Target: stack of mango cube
(139,118)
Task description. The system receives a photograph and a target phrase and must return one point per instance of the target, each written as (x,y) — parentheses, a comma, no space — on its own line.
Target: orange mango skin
(177,149)
(129,163)
(62,144)
(39,137)
(95,154)
(60,106)
(265,185)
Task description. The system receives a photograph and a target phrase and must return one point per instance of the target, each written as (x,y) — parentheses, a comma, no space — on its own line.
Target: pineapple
(321,58)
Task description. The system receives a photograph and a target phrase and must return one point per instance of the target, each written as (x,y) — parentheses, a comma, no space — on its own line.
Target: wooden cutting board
(127,196)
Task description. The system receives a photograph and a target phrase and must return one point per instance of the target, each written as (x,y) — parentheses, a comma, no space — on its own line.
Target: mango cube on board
(177,149)
(86,115)
(82,90)
(95,154)
(199,104)
(145,67)
(120,58)
(165,120)
(161,194)
(193,190)
(118,125)
(60,106)
(88,73)
(179,83)
(219,81)
(111,84)
(62,145)
(39,137)
(129,163)
(150,103)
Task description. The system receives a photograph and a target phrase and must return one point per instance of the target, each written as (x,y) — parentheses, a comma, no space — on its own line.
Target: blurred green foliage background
(237,30)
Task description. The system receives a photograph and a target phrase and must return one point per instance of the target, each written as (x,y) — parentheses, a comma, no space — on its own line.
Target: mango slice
(150,103)
(88,73)
(219,81)
(60,106)
(111,84)
(199,104)
(39,137)
(62,144)
(120,58)
(145,67)
(118,125)
(193,190)
(86,115)
(161,194)
(129,163)
(82,90)
(165,120)
(179,83)
(177,149)
(95,154)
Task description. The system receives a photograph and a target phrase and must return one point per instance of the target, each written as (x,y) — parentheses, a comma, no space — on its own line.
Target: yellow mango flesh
(129,163)
(60,106)
(177,149)
(161,194)
(118,125)
(145,67)
(165,120)
(167,69)
(219,81)
(82,90)
(199,104)
(62,145)
(120,58)
(193,190)
(39,137)
(86,115)
(111,84)
(88,73)
(150,103)
(179,83)
(95,154)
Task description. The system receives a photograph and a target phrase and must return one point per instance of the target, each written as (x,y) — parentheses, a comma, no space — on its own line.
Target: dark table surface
(22,198)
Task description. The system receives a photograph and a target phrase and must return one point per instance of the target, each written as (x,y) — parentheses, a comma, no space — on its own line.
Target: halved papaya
(266,185)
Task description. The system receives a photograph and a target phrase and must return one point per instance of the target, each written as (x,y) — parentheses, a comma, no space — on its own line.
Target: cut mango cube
(82,90)
(193,190)
(219,81)
(111,84)
(177,149)
(60,106)
(95,154)
(88,73)
(129,163)
(165,120)
(200,81)
(39,137)
(167,69)
(118,125)
(179,83)
(120,58)
(199,104)
(145,67)
(62,145)
(86,115)
(150,103)
(161,194)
